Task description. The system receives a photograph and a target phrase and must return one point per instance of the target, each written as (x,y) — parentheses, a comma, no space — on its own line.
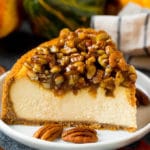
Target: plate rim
(21,137)
(24,139)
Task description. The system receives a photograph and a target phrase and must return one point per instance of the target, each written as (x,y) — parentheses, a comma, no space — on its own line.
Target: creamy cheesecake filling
(33,102)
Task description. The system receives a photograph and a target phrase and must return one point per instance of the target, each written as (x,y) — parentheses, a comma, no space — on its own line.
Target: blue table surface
(11,48)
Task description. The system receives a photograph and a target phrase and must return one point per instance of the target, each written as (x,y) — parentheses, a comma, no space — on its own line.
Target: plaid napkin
(131,31)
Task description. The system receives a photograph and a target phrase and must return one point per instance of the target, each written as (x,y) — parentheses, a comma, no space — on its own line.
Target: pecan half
(49,132)
(2,70)
(80,135)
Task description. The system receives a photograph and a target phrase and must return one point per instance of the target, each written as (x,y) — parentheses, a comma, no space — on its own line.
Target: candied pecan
(122,64)
(114,58)
(98,76)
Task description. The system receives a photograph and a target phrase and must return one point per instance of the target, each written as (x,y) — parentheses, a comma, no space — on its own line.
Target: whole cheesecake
(77,79)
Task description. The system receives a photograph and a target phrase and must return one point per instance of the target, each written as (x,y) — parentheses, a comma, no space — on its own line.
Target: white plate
(107,139)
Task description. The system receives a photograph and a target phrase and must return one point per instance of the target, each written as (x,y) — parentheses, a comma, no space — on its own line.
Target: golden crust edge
(92,125)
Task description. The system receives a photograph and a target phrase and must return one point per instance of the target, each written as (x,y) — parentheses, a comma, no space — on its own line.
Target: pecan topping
(142,98)
(49,132)
(84,53)
(2,70)
(80,135)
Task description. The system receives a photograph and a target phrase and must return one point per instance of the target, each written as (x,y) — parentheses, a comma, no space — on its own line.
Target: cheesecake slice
(77,79)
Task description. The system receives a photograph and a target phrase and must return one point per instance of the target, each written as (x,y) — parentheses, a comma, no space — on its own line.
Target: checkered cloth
(131,31)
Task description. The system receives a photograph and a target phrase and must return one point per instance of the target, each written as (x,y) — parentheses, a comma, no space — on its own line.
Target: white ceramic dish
(107,139)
